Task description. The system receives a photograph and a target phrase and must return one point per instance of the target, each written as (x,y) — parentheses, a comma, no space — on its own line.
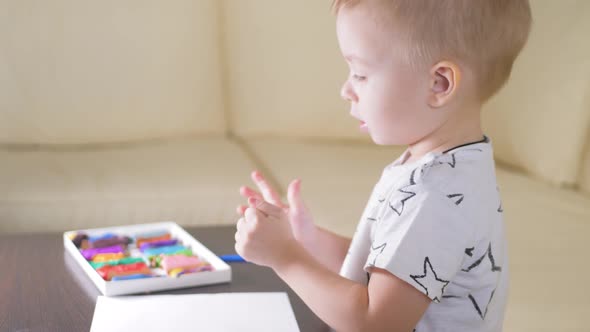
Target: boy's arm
(265,237)
(328,248)
(386,304)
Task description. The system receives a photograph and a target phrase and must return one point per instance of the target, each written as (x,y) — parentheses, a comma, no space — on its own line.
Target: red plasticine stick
(109,271)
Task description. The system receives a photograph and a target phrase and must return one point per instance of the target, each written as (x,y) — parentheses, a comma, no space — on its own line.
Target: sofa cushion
(547,231)
(539,121)
(547,227)
(107,71)
(191,182)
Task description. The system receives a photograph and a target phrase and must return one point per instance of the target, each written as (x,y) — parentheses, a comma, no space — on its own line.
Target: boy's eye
(358,78)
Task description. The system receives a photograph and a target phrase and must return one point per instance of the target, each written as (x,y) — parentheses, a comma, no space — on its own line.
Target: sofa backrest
(286,71)
(109,71)
(100,71)
(540,120)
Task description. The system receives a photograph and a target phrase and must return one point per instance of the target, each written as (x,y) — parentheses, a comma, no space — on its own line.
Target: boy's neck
(461,129)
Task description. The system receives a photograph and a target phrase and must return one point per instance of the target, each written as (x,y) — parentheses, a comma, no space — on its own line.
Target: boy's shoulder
(459,185)
(469,170)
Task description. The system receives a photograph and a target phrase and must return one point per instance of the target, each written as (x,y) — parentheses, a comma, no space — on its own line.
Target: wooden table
(42,288)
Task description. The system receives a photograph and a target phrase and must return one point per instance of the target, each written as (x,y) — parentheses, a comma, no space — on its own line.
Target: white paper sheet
(223,312)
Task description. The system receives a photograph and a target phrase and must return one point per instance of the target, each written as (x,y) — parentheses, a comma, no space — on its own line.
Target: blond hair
(485,35)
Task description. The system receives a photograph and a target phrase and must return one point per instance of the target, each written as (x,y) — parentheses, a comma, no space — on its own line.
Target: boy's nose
(347,93)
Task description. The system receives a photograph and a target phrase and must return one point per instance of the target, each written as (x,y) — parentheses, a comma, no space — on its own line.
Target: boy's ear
(445,78)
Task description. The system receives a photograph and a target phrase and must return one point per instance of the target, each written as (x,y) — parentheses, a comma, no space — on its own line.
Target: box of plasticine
(144,258)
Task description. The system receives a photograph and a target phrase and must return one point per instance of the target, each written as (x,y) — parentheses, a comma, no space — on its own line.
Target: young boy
(429,253)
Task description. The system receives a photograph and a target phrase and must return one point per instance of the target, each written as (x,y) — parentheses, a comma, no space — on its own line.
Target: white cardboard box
(221,271)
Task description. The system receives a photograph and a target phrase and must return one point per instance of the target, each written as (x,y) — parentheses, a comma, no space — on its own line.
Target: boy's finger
(268,193)
(240,224)
(294,195)
(265,207)
(250,215)
(241,209)
(247,192)
(253,202)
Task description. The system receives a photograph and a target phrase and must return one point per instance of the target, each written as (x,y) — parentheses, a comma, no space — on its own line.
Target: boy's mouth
(363,126)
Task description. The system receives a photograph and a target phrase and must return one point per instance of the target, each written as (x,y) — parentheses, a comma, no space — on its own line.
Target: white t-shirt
(437,224)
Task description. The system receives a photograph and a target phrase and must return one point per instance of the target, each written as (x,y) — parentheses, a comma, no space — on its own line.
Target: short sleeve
(421,238)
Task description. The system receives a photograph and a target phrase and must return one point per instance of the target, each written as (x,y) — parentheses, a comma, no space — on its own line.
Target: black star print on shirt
(380,248)
(482,298)
(430,282)
(488,254)
(453,160)
(500,208)
(457,198)
(481,313)
(398,206)
(450,160)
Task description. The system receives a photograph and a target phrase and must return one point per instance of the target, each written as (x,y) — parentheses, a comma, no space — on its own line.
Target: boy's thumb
(294,195)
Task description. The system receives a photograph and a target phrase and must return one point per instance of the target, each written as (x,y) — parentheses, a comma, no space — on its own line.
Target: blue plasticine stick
(232,259)
(163,250)
(101,237)
(131,277)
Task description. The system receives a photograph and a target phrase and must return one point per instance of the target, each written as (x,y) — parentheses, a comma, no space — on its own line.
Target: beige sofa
(118,112)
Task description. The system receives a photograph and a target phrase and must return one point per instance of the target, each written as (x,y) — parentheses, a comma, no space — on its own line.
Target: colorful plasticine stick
(90,253)
(122,261)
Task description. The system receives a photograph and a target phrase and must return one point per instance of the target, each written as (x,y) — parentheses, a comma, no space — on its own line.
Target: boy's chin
(386,141)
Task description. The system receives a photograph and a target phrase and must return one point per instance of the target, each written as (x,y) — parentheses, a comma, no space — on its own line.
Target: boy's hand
(298,215)
(263,235)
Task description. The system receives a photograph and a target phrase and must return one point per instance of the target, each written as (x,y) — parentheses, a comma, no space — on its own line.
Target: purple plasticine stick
(110,242)
(90,253)
(157,244)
